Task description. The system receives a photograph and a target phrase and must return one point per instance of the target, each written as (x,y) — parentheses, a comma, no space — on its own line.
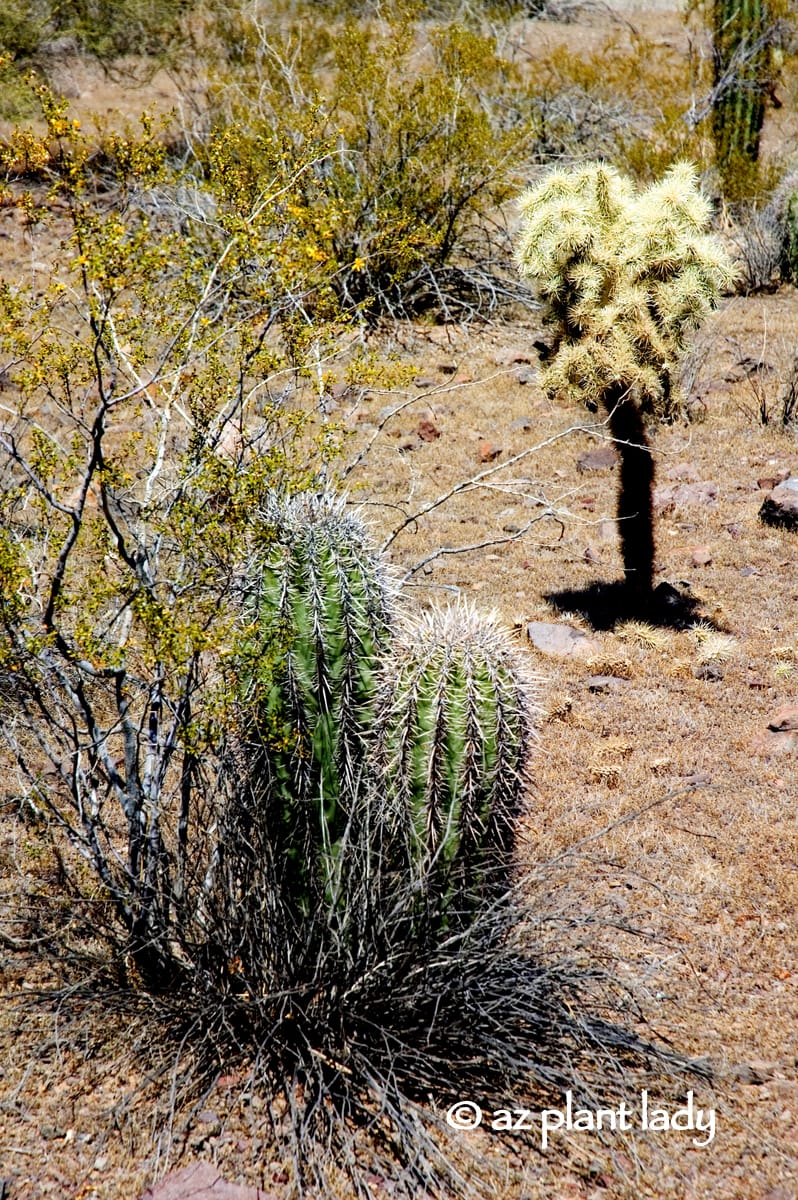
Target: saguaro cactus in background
(742,78)
(320,601)
(454,732)
(624,275)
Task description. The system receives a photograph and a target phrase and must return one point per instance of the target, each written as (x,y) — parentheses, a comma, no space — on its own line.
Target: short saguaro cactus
(455,725)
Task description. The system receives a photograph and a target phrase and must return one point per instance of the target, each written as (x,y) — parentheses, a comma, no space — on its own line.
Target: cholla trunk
(454,733)
(635,494)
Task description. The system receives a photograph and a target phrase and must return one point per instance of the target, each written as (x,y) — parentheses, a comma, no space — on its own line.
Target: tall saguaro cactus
(322,596)
(742,69)
(625,274)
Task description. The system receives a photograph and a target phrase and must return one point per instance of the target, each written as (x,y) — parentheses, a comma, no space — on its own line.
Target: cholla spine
(455,724)
(625,274)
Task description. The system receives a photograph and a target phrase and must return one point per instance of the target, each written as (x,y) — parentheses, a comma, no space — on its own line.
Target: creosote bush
(402,209)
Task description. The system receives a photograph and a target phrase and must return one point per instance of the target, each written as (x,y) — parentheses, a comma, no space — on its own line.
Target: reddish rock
(488,452)
(785,720)
(780,508)
(428,431)
(701,556)
(201,1181)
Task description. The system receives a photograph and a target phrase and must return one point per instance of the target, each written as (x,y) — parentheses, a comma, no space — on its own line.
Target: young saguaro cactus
(625,274)
(455,726)
(742,77)
(321,605)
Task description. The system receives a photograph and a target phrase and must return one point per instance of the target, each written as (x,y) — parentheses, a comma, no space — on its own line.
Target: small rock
(563,641)
(769,744)
(734,529)
(526,375)
(51,1133)
(588,502)
(766,483)
(511,528)
(425,381)
(488,452)
(211,1121)
(521,425)
(701,557)
(785,720)
(684,495)
(447,368)
(428,431)
(748,570)
(604,683)
(683,473)
(602,459)
(408,445)
(753,1072)
(711,672)
(201,1181)
(780,508)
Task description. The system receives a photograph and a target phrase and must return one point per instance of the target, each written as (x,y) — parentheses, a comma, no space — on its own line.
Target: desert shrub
(765,234)
(404,211)
(148,422)
(625,103)
(145,27)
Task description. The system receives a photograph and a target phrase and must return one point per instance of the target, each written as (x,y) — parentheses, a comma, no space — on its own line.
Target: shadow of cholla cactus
(321,602)
(455,726)
(625,275)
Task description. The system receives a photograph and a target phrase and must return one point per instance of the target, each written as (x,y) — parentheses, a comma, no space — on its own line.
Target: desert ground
(665,775)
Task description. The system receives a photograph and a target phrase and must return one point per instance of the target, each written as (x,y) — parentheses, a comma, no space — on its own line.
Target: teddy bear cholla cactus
(625,275)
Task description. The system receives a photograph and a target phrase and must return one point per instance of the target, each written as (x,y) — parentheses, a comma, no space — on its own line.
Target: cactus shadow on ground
(604,605)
